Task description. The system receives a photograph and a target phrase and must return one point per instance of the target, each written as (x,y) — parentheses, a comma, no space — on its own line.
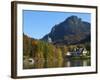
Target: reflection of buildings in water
(84,63)
(75,63)
(68,64)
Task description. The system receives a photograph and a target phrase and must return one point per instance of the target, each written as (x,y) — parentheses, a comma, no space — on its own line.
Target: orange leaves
(34,43)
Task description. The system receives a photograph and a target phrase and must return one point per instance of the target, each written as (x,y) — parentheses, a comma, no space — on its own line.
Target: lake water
(65,63)
(75,63)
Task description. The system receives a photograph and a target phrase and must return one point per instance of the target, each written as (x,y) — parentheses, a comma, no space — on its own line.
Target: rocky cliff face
(71,31)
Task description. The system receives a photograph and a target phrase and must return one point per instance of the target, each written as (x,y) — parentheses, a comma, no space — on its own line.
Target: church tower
(49,40)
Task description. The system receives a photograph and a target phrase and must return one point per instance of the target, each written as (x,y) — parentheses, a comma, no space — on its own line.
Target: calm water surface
(65,63)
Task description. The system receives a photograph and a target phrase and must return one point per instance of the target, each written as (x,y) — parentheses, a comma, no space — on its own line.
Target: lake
(52,64)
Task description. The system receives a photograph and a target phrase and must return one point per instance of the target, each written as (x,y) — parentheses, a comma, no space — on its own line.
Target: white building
(49,40)
(29,61)
(84,52)
(68,54)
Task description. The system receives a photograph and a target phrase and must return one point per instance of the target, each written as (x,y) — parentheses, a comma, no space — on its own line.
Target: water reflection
(75,63)
(53,64)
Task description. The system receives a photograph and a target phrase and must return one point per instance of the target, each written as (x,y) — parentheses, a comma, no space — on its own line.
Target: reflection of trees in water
(54,64)
(39,64)
(48,64)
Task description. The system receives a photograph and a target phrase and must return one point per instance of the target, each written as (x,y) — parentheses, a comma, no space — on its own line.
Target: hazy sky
(36,24)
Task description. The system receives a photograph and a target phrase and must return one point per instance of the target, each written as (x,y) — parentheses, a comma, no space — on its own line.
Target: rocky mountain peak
(71,30)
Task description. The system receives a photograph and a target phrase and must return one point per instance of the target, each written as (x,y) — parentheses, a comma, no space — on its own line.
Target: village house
(77,52)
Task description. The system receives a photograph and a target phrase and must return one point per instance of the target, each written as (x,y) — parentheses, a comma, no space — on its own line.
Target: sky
(37,24)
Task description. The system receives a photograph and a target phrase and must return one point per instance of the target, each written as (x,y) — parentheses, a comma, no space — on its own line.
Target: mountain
(71,31)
